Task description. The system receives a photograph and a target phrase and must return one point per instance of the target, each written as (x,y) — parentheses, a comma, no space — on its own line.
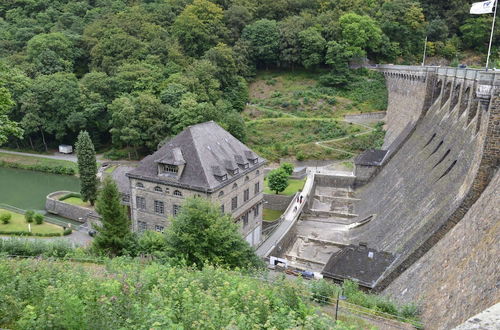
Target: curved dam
(445,154)
(392,226)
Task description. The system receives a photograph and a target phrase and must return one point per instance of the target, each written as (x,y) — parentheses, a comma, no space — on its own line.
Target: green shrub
(115,154)
(322,291)
(300,156)
(28,215)
(5,218)
(26,247)
(69,195)
(57,169)
(38,218)
(287,167)
(67,231)
(409,311)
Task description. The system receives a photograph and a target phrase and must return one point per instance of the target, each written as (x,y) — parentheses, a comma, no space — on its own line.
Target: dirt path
(288,116)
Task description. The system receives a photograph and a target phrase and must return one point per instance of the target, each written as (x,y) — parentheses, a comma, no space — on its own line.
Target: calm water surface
(28,189)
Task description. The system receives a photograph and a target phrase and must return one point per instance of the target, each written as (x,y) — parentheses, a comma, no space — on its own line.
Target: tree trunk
(44,143)
(31,142)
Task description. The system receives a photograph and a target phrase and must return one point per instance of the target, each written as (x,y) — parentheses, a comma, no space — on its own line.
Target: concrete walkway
(289,218)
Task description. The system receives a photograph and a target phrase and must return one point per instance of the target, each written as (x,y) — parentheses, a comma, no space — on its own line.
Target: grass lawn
(110,169)
(271,215)
(18,223)
(76,201)
(293,187)
(33,160)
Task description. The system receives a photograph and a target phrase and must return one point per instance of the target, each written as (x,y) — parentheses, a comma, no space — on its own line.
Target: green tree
(87,167)
(114,236)
(263,37)
(201,235)
(290,44)
(338,56)
(287,167)
(360,31)
(51,52)
(52,105)
(7,127)
(199,27)
(277,180)
(312,47)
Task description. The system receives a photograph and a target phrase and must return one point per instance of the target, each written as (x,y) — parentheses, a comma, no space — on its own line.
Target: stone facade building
(203,160)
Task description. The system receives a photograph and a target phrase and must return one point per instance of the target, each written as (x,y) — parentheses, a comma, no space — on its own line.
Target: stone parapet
(55,206)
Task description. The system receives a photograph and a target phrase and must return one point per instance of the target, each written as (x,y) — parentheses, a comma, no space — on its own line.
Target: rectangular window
(246,195)
(222,209)
(245,219)
(234,203)
(140,203)
(256,211)
(257,188)
(159,228)
(176,209)
(159,207)
(142,226)
(125,198)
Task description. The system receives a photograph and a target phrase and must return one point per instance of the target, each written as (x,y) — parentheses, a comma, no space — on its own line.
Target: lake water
(27,189)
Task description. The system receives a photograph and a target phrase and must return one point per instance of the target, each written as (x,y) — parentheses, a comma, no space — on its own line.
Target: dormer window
(234,172)
(139,185)
(170,168)
(219,173)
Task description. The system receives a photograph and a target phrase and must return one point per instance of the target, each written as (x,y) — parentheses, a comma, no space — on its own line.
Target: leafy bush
(70,195)
(28,215)
(323,292)
(57,169)
(25,247)
(38,218)
(287,167)
(115,154)
(67,231)
(120,295)
(5,218)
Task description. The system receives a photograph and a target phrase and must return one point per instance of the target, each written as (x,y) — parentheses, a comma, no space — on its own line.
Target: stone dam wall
(435,198)
(438,171)
(459,276)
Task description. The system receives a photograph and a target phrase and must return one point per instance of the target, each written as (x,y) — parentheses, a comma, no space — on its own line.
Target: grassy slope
(77,201)
(18,223)
(293,187)
(290,111)
(33,160)
(271,215)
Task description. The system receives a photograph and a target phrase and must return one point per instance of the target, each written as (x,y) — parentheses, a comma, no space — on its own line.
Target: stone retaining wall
(378,115)
(55,206)
(277,202)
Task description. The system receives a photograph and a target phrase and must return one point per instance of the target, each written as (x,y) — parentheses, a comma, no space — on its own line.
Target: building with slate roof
(203,160)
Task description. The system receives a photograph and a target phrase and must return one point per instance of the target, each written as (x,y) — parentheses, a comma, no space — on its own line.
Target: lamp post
(340,296)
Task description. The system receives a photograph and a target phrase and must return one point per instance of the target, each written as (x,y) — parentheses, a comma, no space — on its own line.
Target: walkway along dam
(420,221)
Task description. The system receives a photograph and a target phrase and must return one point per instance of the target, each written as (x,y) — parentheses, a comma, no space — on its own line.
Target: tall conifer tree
(87,167)
(114,232)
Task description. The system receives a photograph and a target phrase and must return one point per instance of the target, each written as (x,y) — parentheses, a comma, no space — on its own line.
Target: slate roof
(371,157)
(360,263)
(120,177)
(207,150)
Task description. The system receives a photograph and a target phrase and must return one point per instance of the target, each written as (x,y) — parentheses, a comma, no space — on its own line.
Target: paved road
(58,156)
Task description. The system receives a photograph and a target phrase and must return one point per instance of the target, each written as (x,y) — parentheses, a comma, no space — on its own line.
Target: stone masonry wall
(55,206)
(459,276)
(436,175)
(277,202)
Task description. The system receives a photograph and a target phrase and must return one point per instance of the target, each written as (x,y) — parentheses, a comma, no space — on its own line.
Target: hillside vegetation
(134,73)
(291,115)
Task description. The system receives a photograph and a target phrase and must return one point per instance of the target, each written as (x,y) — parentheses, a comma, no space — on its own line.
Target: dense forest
(135,72)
